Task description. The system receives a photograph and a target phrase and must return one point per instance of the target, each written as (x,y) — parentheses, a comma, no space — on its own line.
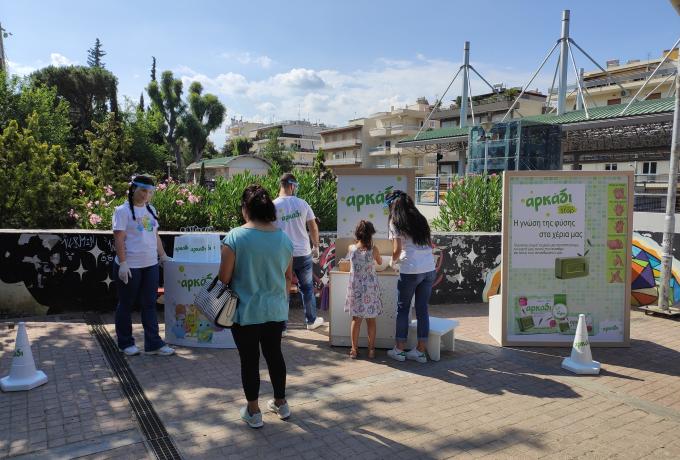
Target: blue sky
(328,60)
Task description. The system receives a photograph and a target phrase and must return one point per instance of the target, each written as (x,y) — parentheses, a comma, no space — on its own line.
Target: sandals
(354,354)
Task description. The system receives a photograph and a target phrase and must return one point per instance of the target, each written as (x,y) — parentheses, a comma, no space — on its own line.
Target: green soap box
(525,323)
(571,267)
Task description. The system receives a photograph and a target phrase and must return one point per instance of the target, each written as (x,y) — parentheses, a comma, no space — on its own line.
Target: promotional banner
(361,193)
(566,251)
(184,325)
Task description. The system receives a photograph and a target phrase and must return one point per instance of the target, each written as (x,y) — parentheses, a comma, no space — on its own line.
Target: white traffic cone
(23,374)
(581,360)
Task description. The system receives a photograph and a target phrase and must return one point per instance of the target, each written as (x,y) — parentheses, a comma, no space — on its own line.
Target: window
(614,101)
(649,167)
(610,166)
(654,96)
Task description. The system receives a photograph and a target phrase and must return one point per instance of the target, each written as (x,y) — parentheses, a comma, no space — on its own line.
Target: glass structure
(517,145)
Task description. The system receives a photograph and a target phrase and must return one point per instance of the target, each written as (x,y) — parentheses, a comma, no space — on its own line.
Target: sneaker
(163,351)
(253,421)
(282,411)
(416,355)
(132,350)
(397,354)
(317,322)
(284,333)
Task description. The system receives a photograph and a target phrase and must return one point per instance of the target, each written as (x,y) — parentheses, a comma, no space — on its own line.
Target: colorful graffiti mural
(645,267)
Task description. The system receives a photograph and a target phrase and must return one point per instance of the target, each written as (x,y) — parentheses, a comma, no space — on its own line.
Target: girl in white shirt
(412,252)
(135,268)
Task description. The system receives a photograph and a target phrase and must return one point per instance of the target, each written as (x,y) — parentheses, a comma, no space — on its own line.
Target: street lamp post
(168,163)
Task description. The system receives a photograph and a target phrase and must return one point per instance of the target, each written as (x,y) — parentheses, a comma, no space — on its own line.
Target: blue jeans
(302,267)
(142,289)
(409,284)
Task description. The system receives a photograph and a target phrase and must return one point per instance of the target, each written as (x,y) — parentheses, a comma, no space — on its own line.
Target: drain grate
(152,426)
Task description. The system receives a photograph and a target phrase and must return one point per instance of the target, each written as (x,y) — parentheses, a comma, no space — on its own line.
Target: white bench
(442,334)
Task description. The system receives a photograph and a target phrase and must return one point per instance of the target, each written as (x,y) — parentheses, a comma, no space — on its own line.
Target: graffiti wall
(43,272)
(54,272)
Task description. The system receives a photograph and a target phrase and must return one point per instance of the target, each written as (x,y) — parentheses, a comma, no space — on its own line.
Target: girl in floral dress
(363,291)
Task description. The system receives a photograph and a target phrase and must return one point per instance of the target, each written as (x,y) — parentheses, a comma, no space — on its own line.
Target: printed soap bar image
(571,267)
(539,314)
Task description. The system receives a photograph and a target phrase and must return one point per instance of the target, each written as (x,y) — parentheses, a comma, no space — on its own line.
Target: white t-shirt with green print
(292,215)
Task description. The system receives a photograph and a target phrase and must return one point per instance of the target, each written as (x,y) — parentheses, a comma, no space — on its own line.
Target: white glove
(124,272)
(315,254)
(165,258)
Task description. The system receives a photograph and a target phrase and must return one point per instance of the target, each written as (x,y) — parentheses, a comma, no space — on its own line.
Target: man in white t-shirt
(294,216)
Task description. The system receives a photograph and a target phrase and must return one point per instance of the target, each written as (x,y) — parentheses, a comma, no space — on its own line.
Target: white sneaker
(397,354)
(162,351)
(416,355)
(253,421)
(284,333)
(132,350)
(282,411)
(317,322)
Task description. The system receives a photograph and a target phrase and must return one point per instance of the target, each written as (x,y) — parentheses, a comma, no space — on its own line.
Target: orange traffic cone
(581,359)
(22,375)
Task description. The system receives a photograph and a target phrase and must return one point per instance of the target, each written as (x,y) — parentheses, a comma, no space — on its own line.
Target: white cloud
(247,58)
(334,96)
(300,78)
(16,68)
(59,60)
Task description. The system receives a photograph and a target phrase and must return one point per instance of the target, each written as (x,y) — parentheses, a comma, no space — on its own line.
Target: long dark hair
(364,233)
(257,203)
(131,192)
(407,219)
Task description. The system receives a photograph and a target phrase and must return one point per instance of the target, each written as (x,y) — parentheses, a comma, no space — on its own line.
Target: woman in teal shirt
(257,263)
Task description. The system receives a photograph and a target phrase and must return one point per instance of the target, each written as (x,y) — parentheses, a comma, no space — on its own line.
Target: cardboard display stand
(566,251)
(196,262)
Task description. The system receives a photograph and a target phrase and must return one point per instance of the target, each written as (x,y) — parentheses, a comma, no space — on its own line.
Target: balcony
(342,144)
(343,162)
(394,130)
(379,151)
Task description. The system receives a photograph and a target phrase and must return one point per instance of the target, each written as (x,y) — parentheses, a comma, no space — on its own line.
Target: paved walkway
(479,401)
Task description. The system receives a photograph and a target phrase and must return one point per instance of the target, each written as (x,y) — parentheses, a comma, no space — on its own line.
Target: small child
(363,291)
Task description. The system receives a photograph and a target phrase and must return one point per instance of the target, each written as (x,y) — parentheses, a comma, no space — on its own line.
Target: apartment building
(240,128)
(385,129)
(300,137)
(346,146)
(624,81)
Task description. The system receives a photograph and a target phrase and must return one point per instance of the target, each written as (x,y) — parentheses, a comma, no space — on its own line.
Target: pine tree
(153,68)
(140,107)
(95,55)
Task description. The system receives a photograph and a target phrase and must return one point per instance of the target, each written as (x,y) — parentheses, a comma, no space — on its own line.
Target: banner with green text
(566,249)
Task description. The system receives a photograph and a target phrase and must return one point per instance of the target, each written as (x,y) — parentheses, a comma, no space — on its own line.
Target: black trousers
(248,340)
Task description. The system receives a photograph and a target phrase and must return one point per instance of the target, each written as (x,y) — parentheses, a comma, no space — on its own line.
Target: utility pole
(3,59)
(464,96)
(579,100)
(666,298)
(564,63)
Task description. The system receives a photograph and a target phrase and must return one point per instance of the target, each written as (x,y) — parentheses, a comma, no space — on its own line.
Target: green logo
(190,283)
(561,199)
(357,201)
(18,353)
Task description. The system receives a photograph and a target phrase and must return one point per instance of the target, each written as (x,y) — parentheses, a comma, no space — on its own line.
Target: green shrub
(472,204)
(187,205)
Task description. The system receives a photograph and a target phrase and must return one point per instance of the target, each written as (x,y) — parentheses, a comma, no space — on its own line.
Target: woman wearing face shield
(135,268)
